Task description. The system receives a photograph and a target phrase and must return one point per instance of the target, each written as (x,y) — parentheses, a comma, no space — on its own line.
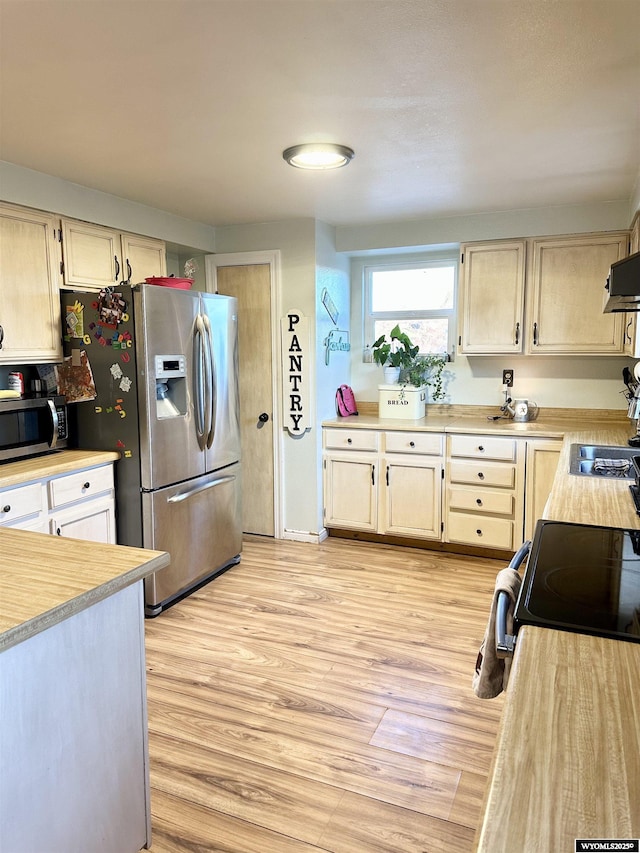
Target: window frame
(388,264)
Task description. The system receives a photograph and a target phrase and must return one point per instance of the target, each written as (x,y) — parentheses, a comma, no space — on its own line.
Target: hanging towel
(492,672)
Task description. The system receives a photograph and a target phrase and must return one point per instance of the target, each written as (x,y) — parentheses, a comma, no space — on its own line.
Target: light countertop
(45,579)
(52,464)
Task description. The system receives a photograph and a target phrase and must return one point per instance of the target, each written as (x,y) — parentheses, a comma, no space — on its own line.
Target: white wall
(332,274)
(44,192)
(296,241)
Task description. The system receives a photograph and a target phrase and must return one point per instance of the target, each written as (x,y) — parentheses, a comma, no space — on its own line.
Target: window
(419,296)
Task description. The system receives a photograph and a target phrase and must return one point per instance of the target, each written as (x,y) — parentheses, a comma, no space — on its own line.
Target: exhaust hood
(623,285)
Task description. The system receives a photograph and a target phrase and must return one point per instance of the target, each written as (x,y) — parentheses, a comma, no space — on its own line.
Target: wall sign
(336,341)
(295,372)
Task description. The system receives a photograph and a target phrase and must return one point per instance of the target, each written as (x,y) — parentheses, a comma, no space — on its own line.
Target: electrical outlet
(507,378)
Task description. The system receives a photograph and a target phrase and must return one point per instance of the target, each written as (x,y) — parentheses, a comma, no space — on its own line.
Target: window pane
(424,289)
(430,335)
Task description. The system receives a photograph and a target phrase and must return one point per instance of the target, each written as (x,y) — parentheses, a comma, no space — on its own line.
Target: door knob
(264,417)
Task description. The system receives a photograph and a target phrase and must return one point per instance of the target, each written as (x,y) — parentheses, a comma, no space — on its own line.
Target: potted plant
(427,370)
(395,354)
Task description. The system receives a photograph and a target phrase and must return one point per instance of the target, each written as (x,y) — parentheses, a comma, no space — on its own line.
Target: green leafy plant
(398,351)
(427,370)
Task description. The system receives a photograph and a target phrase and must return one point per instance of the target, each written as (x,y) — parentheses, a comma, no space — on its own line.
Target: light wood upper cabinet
(29,287)
(552,305)
(142,258)
(97,257)
(566,279)
(491,304)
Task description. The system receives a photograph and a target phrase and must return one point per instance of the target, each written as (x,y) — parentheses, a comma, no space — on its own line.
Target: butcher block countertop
(567,760)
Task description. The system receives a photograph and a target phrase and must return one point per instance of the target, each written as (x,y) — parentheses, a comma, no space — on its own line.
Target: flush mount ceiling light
(318,155)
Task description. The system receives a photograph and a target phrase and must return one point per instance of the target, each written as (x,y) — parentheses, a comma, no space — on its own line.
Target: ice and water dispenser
(171,386)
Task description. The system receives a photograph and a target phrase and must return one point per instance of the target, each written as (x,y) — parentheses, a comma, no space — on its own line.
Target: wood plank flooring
(317,699)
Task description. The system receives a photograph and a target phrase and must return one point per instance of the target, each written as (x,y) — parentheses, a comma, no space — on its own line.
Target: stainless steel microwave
(30,426)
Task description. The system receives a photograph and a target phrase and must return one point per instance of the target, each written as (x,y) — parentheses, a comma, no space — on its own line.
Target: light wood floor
(318,698)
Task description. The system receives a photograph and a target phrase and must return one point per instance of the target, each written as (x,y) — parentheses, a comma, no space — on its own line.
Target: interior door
(250,284)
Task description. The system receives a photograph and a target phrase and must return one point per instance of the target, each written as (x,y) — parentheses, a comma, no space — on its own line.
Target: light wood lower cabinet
(80,505)
(488,491)
(387,482)
(542,463)
(484,494)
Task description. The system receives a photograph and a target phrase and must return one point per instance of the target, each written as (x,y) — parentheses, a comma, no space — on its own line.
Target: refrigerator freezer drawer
(199,524)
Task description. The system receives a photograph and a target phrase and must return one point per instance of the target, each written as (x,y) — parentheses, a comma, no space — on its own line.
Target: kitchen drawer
(82,484)
(414,442)
(483,447)
(481,531)
(483,473)
(481,500)
(20,502)
(351,439)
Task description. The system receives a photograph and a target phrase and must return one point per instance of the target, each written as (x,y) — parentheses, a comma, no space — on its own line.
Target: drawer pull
(349,441)
(480,475)
(412,444)
(479,532)
(6,508)
(58,531)
(478,501)
(481,448)
(86,485)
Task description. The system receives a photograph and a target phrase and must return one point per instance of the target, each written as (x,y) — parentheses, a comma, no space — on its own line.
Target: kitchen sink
(583,457)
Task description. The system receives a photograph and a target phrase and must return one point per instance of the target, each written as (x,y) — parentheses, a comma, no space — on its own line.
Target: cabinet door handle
(373,475)
(58,531)
(115,258)
(1,336)
(517,341)
(480,475)
(387,475)
(627,332)
(129,272)
(535,334)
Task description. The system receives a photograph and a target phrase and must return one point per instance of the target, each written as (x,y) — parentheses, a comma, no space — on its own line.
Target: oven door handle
(506,643)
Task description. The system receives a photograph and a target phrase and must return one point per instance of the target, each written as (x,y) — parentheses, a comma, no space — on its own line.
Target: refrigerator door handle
(198,383)
(212,383)
(184,495)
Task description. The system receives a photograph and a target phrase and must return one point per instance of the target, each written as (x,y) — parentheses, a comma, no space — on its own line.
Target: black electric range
(582,578)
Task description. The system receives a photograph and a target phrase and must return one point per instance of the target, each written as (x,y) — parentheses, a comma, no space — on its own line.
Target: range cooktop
(582,578)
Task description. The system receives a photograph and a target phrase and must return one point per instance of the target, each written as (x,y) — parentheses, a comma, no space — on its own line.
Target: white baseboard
(303,536)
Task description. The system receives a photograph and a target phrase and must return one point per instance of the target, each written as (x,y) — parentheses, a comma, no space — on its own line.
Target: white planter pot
(391,375)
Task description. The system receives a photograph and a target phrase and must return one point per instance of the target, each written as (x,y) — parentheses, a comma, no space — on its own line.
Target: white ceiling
(452,106)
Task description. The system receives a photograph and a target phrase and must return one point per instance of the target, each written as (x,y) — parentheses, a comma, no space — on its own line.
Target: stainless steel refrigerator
(164,365)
